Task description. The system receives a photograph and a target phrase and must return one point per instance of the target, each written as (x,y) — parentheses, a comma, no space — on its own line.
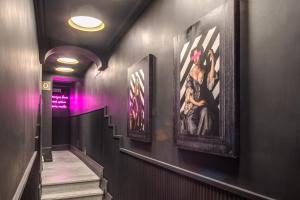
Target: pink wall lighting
(60,101)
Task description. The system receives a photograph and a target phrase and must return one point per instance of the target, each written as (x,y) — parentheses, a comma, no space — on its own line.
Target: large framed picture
(206,103)
(140,80)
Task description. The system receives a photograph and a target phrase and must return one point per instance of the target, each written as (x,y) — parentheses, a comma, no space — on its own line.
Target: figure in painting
(136,109)
(200,114)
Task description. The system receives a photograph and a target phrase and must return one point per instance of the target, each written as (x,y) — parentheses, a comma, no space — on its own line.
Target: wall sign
(56,90)
(46,85)
(60,101)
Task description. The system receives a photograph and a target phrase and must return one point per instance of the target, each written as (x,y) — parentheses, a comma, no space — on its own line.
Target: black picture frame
(140,75)
(225,140)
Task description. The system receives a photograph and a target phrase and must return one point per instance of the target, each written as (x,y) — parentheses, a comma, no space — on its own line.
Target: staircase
(67,177)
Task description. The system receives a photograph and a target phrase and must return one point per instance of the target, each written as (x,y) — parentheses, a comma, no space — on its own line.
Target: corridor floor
(66,168)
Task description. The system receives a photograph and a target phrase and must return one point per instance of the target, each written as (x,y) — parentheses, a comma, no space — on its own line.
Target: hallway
(67,177)
(149,100)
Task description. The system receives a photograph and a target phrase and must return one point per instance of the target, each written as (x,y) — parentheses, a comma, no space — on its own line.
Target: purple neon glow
(59,106)
(81,102)
(60,101)
(59,97)
(64,79)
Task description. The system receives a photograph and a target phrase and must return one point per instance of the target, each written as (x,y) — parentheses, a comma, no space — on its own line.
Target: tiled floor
(66,168)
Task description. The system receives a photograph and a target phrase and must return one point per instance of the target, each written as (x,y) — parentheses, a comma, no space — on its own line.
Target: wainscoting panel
(31,190)
(131,178)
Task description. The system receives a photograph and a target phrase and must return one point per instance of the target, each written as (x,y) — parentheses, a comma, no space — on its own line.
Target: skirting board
(22,184)
(204,179)
(60,147)
(108,196)
(93,165)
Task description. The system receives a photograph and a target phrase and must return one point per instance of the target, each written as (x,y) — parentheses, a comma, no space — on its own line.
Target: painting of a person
(136,108)
(200,114)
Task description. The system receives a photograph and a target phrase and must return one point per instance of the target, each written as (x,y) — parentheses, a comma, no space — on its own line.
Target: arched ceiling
(85,57)
(54,31)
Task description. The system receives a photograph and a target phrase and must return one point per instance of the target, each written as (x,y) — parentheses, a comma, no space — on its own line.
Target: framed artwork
(206,104)
(140,77)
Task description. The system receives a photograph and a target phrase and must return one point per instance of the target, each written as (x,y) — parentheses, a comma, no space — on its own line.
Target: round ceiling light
(64,69)
(66,60)
(86,23)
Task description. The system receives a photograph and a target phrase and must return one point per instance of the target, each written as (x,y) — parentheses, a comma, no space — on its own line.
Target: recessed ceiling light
(86,23)
(64,69)
(66,60)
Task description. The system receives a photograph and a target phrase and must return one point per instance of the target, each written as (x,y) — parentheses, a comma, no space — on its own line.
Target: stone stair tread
(73,194)
(77,186)
(66,168)
(70,181)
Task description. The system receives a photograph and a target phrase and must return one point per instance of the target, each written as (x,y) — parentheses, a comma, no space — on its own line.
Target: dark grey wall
(55,125)
(20,73)
(60,130)
(87,133)
(60,119)
(130,178)
(269,77)
(46,123)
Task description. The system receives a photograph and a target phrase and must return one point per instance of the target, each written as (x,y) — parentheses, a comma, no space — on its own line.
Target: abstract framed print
(206,103)
(140,77)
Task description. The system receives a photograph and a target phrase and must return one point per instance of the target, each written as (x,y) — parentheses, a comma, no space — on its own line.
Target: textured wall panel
(270,101)
(20,73)
(130,178)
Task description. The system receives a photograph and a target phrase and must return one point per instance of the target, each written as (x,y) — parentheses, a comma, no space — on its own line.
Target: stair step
(69,187)
(103,185)
(107,196)
(67,174)
(91,194)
